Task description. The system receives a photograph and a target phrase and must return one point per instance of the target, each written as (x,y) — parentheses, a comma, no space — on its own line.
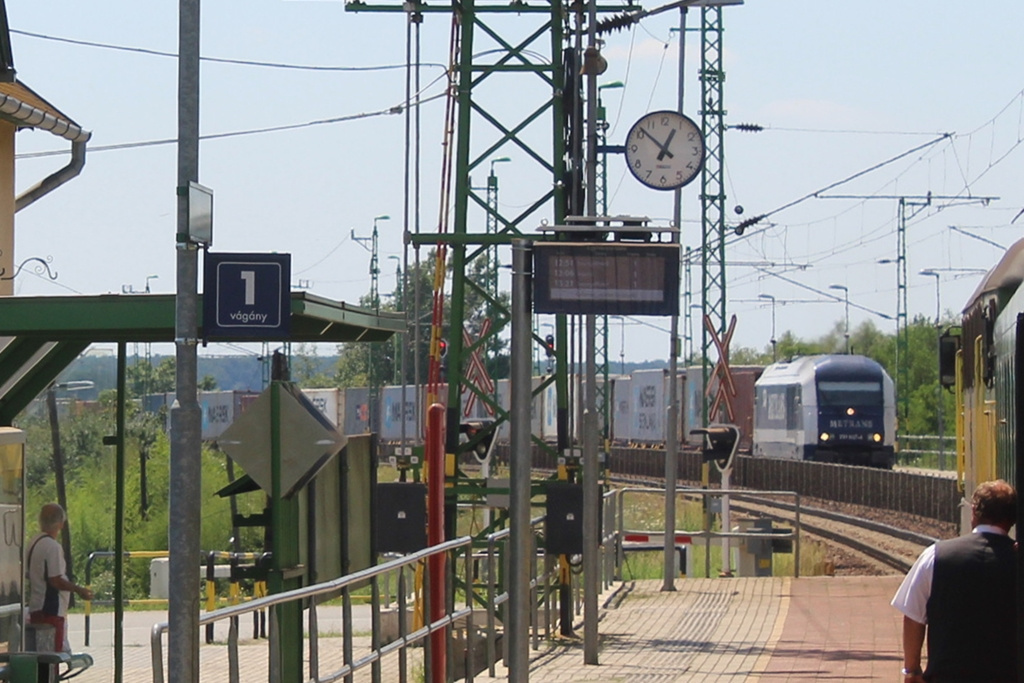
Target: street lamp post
(58,456)
(846,298)
(399,358)
(374,268)
(772,299)
(148,278)
(492,179)
(372,379)
(493,227)
(930,272)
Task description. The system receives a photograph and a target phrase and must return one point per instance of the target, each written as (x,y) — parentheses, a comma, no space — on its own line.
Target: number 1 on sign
(249,277)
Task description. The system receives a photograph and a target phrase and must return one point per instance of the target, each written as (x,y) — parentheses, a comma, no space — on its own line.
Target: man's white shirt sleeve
(912,597)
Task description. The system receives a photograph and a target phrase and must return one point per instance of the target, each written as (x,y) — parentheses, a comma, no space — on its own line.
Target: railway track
(891,546)
(884,544)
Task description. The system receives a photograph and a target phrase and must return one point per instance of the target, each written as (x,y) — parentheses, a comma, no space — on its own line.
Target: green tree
(307,370)
(89,471)
(354,357)
(143,378)
(788,346)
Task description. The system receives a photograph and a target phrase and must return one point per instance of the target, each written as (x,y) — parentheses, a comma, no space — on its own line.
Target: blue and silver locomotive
(836,408)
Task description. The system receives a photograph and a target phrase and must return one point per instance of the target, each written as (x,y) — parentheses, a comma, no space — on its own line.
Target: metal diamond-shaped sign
(308,440)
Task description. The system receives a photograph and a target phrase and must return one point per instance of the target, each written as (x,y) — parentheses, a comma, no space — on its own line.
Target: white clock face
(665,150)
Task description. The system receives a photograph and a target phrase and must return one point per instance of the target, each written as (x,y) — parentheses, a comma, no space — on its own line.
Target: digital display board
(606,278)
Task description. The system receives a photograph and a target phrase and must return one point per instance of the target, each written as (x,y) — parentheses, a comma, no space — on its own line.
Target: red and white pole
(435,536)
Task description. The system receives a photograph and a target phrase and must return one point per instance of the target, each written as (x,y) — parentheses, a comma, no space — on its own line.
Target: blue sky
(839,88)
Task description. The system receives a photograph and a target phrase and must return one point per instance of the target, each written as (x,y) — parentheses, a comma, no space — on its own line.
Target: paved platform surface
(740,629)
(765,629)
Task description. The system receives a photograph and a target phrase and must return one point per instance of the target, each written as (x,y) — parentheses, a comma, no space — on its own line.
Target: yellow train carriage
(985,376)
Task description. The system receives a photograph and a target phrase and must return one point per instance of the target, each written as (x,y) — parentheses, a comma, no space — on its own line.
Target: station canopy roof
(41,336)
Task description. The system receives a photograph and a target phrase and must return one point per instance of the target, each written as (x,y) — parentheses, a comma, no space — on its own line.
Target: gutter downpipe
(55,179)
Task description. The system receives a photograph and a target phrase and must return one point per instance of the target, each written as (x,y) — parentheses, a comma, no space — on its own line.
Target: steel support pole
(672,417)
(591,465)
(186,471)
(939,398)
(122,372)
(520,447)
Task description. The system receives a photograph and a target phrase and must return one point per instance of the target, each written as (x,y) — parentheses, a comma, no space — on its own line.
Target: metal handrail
(233,611)
(496,599)
(707,533)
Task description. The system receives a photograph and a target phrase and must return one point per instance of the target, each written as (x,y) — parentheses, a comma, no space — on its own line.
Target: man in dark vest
(963,593)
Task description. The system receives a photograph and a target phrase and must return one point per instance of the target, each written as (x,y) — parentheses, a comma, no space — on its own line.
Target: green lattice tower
(712,195)
(520,51)
(601,358)
(902,327)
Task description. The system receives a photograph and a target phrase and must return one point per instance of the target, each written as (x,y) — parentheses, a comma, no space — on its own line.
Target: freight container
(330,402)
(741,403)
(398,414)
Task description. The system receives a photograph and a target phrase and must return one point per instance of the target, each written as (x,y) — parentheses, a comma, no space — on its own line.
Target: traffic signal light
(549,345)
(720,443)
(442,348)
(480,436)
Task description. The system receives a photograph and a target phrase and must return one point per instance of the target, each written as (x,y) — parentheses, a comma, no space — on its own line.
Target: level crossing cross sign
(476,372)
(725,389)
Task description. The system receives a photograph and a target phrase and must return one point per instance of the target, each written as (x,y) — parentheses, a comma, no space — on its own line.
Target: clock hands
(662,146)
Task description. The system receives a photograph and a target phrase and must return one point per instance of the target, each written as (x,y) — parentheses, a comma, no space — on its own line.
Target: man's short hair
(50,516)
(995,502)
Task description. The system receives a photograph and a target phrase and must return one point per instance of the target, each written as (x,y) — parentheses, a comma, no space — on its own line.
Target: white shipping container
(330,402)
(218,412)
(536,407)
(395,413)
(621,397)
(549,413)
(647,422)
(356,411)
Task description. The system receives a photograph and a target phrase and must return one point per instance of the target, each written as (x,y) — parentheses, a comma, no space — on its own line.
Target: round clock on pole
(665,150)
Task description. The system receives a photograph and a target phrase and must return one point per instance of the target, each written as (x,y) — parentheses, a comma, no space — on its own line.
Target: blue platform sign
(247,296)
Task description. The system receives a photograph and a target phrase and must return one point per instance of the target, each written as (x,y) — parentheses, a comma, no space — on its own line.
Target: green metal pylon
(528,44)
(712,195)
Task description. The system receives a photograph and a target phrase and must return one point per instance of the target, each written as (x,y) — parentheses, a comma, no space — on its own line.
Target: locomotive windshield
(842,394)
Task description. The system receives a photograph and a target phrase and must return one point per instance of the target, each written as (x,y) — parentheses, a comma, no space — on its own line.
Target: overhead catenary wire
(219,60)
(390,111)
(812,195)
(821,292)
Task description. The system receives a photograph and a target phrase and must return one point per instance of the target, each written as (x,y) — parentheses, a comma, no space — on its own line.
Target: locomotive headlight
(825,436)
(850,411)
(877,438)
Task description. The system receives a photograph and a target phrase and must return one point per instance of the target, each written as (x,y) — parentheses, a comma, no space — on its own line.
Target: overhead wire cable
(324,257)
(858,174)
(839,131)
(390,111)
(218,60)
(831,297)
